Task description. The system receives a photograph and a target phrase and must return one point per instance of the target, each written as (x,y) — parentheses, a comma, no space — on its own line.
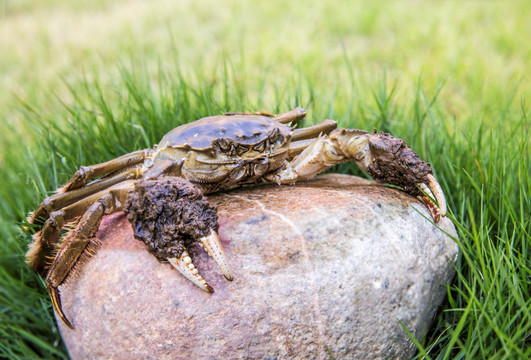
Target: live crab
(162,189)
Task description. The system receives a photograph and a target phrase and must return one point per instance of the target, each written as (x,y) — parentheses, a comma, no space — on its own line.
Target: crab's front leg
(170,214)
(384,157)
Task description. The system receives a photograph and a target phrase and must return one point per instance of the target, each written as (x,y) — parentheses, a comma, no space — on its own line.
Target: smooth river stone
(324,268)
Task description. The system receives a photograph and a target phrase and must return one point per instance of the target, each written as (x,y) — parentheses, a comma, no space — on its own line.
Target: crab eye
(224,144)
(273,135)
(241,149)
(280,139)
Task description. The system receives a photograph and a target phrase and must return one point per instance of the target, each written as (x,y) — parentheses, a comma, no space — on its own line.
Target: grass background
(83,82)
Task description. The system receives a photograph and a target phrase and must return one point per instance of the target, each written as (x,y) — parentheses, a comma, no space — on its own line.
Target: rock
(324,268)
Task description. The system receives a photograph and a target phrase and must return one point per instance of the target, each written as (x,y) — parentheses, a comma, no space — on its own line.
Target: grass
(451,79)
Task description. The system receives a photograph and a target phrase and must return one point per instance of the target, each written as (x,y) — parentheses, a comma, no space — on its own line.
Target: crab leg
(86,173)
(297,147)
(77,241)
(44,241)
(73,204)
(302,138)
(313,131)
(293,115)
(60,200)
(386,158)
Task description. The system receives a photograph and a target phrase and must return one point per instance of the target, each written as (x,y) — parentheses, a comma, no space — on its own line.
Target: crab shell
(219,151)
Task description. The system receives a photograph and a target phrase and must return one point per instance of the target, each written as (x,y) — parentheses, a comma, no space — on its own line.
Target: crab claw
(185,266)
(433,189)
(213,247)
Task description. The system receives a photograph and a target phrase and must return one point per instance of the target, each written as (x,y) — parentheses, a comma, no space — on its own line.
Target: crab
(162,190)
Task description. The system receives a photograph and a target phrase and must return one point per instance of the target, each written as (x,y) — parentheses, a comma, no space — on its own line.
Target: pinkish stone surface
(331,263)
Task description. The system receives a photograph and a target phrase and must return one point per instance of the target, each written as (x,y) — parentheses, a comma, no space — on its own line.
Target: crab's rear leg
(386,158)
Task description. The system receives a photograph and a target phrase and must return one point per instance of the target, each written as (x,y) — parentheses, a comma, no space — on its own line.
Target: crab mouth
(215,174)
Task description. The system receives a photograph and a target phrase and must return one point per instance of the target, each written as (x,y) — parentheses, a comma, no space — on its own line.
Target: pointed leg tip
(67,323)
(55,296)
(228,277)
(300,111)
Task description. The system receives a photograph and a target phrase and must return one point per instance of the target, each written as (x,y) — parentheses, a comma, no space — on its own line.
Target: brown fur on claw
(396,163)
(168,215)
